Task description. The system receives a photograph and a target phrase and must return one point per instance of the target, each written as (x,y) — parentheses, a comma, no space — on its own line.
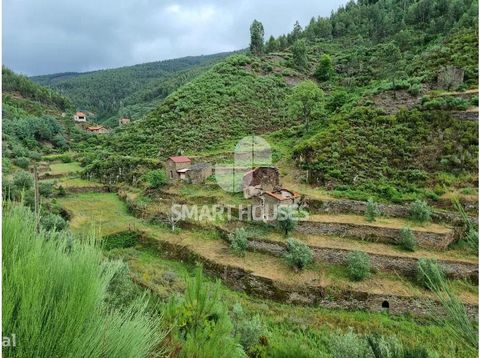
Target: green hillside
(127,90)
(370,60)
(36,121)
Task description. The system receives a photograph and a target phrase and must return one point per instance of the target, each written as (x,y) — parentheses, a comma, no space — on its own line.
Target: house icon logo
(250,152)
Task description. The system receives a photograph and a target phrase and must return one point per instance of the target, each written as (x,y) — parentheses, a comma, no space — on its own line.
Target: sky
(51,36)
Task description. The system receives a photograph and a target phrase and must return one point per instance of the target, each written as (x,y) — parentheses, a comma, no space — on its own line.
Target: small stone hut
(177,167)
(266,204)
(198,173)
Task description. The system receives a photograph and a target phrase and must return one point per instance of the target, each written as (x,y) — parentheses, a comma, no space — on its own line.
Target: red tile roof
(180,159)
(80,114)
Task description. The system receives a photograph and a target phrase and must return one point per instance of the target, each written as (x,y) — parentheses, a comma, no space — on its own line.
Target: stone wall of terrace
(402,265)
(343,206)
(243,280)
(425,239)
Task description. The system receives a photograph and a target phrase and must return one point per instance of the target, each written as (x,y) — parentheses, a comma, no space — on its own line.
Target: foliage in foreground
(53,297)
(201,326)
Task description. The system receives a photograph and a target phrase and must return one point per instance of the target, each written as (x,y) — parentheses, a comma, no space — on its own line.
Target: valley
(361,127)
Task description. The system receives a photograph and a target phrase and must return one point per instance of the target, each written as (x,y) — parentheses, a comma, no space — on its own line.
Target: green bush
(358,265)
(45,189)
(407,239)
(429,274)
(372,211)
(249,330)
(199,321)
(22,162)
(286,220)
(420,211)
(238,241)
(155,178)
(121,240)
(53,222)
(298,254)
(349,345)
(54,298)
(23,180)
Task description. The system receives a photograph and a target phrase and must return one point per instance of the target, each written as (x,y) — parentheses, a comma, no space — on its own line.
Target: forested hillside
(127,91)
(375,57)
(36,121)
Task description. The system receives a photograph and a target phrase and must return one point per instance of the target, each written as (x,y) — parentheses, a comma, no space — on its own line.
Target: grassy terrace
(102,212)
(108,214)
(286,323)
(64,168)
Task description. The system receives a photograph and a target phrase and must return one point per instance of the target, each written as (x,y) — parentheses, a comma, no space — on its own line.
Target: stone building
(177,167)
(123,121)
(97,129)
(260,179)
(265,205)
(80,117)
(198,173)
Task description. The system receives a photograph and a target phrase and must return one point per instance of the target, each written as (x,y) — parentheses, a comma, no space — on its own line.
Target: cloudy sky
(48,36)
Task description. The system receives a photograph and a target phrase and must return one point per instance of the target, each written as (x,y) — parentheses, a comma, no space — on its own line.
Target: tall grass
(54,298)
(455,319)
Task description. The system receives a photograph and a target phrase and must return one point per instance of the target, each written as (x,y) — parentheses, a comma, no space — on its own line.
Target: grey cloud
(47,36)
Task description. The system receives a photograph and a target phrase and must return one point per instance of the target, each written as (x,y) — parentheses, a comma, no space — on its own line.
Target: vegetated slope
(36,120)
(107,92)
(237,97)
(382,56)
(392,155)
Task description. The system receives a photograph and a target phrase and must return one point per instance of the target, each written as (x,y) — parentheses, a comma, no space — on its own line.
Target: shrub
(298,254)
(201,326)
(420,211)
(55,298)
(429,273)
(372,211)
(249,330)
(22,162)
(155,179)
(121,240)
(22,180)
(61,191)
(325,68)
(53,222)
(349,345)
(45,189)
(358,265)
(238,241)
(286,220)
(407,239)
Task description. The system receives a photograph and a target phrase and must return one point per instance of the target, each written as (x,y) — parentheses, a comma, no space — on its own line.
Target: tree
(325,68)
(299,52)
(271,45)
(305,102)
(297,31)
(256,38)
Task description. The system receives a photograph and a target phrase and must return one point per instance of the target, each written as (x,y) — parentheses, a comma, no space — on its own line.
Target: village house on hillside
(181,168)
(80,117)
(260,179)
(266,204)
(97,129)
(123,121)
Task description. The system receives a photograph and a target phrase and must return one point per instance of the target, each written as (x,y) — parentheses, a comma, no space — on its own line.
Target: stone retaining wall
(242,280)
(375,233)
(406,266)
(341,206)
